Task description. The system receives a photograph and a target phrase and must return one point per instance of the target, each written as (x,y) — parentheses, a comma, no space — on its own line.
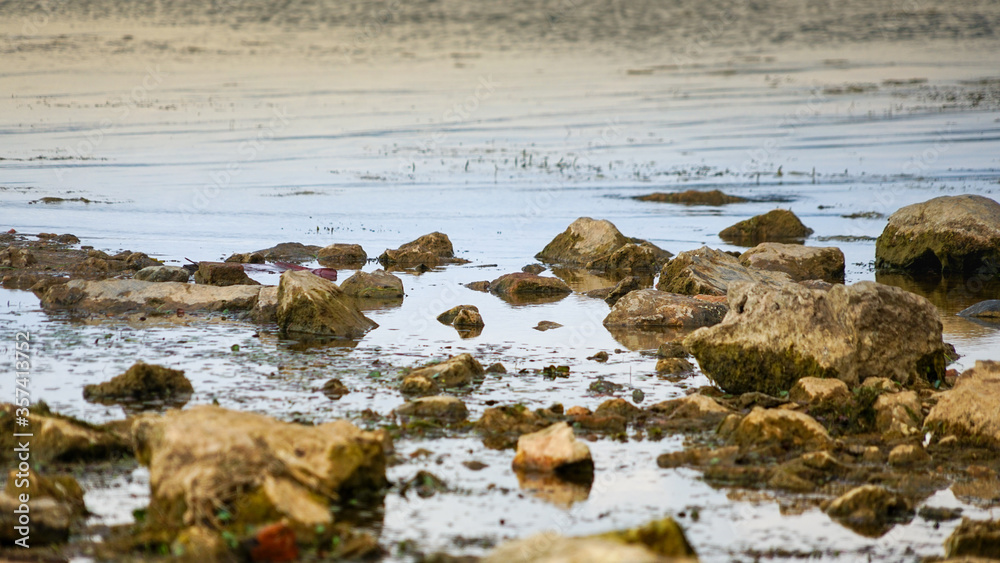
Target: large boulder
(206,461)
(651,308)
(585,240)
(121,296)
(778,225)
(970,410)
(339,254)
(948,234)
(311,305)
(799,262)
(707,271)
(376,285)
(772,337)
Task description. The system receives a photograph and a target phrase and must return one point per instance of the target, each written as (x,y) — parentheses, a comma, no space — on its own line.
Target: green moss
(737,369)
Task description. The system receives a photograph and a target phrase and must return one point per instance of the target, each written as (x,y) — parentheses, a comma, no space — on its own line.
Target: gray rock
(710,272)
(120,296)
(989,310)
(800,262)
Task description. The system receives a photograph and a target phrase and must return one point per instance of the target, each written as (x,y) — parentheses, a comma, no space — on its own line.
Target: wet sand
(199,132)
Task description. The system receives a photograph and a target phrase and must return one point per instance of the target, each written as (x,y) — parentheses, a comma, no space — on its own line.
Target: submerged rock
(258,468)
(651,308)
(524,286)
(989,309)
(445,408)
(870,510)
(376,285)
(121,296)
(339,254)
(948,234)
(554,449)
(142,383)
(974,538)
(694,197)
(222,274)
(772,337)
(311,305)
(778,225)
(163,274)
(784,428)
(800,262)
(428,251)
(706,271)
(970,410)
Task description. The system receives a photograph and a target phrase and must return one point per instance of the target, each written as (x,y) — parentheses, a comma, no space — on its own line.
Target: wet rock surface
(651,308)
(707,271)
(153,298)
(779,225)
(970,411)
(342,254)
(772,337)
(143,383)
(948,234)
(429,251)
(554,450)
(524,287)
(222,274)
(444,408)
(458,371)
(375,285)
(870,510)
(974,538)
(988,310)
(584,241)
(313,306)
(800,262)
(694,197)
(163,274)
(58,439)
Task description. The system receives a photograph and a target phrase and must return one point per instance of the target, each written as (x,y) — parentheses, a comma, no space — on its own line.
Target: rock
(949,234)
(671,349)
(376,285)
(294,252)
(974,538)
(502,422)
(311,305)
(664,537)
(898,414)
(707,271)
(483,286)
(870,510)
(335,389)
(542,326)
(17,258)
(816,391)
(456,371)
(64,489)
(584,241)
(784,428)
(419,385)
(438,408)
(163,274)
(907,455)
(989,309)
(222,274)
(266,309)
(259,468)
(550,547)
(554,449)
(522,285)
(448,316)
(651,308)
(939,513)
(619,407)
(623,288)
(469,319)
(778,225)
(772,337)
(801,263)
(693,197)
(881,385)
(601,356)
(632,257)
(428,251)
(533,269)
(121,296)
(807,472)
(139,261)
(246,258)
(425,484)
(55,503)
(496,368)
(673,366)
(142,383)
(691,407)
(57,438)
(339,254)
(969,410)
(272,543)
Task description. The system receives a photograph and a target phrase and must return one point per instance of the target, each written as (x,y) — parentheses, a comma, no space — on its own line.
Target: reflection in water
(951,294)
(552,488)
(646,339)
(582,281)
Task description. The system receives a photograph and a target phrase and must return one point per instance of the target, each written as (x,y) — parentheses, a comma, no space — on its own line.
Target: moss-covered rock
(444,408)
(787,429)
(57,438)
(693,197)
(948,234)
(140,383)
(870,510)
(974,538)
(428,251)
(778,225)
(163,274)
(772,337)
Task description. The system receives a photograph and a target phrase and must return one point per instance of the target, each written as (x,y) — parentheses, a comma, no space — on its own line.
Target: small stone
(815,390)
(870,509)
(335,389)
(457,371)
(483,286)
(673,366)
(533,269)
(906,455)
(444,408)
(376,285)
(342,255)
(601,356)
(496,368)
(672,349)
(778,225)
(546,325)
(474,465)
(553,449)
(784,428)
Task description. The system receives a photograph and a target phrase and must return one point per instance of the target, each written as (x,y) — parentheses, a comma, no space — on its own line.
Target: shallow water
(207,140)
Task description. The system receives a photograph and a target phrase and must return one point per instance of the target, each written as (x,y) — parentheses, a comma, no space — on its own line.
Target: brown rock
(785,428)
(266,308)
(163,274)
(584,241)
(120,296)
(376,285)
(420,385)
(907,455)
(799,262)
(294,252)
(623,288)
(707,271)
(777,225)
(448,317)
(335,389)
(457,371)
(969,410)
(437,407)
(948,234)
(632,257)
(772,337)
(339,254)
(694,197)
(553,449)
(974,538)
(898,414)
(870,510)
(523,284)
(142,382)
(222,274)
(650,308)
(673,366)
(57,438)
(430,250)
(814,390)
(311,305)
(618,407)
